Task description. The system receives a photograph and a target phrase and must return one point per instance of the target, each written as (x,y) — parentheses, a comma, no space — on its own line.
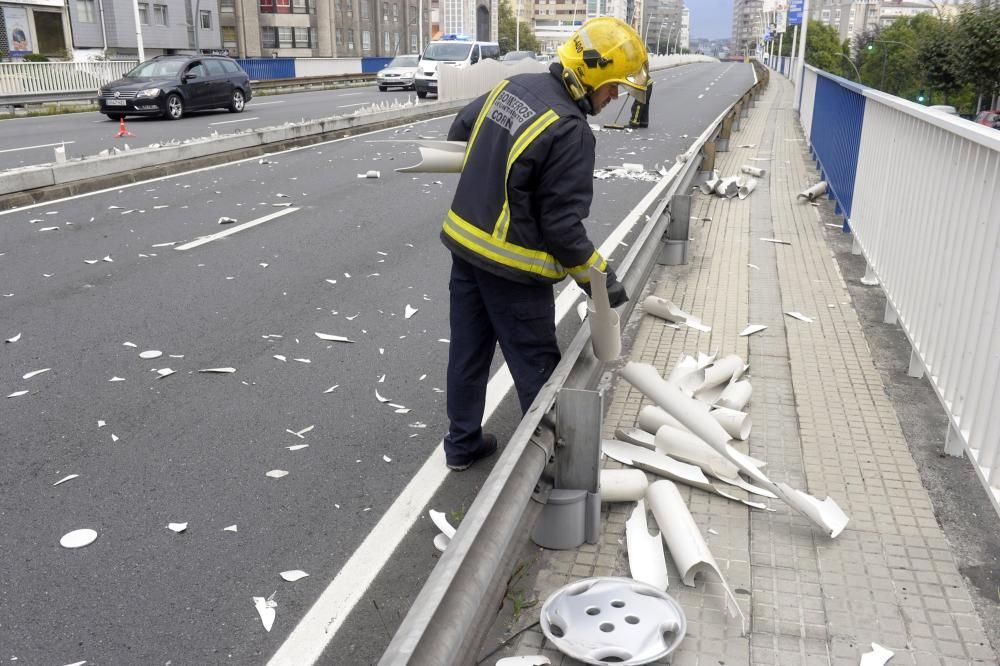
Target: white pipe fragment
(646,561)
(441,522)
(637,437)
(817,190)
(736,423)
(723,371)
(664,309)
(687,545)
(735,396)
(668,468)
(877,657)
(605,323)
(753,171)
(709,185)
(727,187)
(746,187)
(684,367)
(623,485)
(652,418)
(524,660)
(438,157)
(688,447)
(825,514)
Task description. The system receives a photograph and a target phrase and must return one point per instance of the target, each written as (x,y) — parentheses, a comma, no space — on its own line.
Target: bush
(34,57)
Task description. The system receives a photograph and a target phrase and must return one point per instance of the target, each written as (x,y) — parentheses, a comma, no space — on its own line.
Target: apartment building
(34,26)
(854,18)
(748,25)
(168,26)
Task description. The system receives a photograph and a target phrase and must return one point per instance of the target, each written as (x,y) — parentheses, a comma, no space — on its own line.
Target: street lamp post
(658,33)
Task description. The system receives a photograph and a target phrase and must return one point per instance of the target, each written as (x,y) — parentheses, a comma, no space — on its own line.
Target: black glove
(616,292)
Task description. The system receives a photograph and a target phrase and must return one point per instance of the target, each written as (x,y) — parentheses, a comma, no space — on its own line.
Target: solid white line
(351,94)
(277,101)
(241,120)
(44,145)
(344,106)
(305,645)
(233,230)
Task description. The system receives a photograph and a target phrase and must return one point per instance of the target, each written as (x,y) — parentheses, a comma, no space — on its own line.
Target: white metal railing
(468,82)
(926,215)
(26,78)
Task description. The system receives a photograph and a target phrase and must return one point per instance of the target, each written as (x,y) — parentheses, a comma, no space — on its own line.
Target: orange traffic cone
(122,130)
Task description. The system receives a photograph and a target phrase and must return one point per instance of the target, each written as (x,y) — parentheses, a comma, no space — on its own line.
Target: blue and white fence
(920,190)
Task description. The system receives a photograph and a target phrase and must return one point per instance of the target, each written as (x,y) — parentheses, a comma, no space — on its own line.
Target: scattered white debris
(129,344)
(800,317)
(227,220)
(152,353)
(265,607)
(387,459)
(231,528)
(751,329)
(281,358)
(296,447)
(117,379)
(101,423)
(293,575)
(335,338)
(34,373)
(877,657)
(78,538)
(330,390)
(370,174)
(276,473)
(410,311)
(754,266)
(776,241)
(114,437)
(13,339)
(379,397)
(65,479)
(165,372)
(302,360)
(177,527)
(222,371)
(107,258)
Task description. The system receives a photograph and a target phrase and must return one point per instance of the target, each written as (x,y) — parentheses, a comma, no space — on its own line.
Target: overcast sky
(711,19)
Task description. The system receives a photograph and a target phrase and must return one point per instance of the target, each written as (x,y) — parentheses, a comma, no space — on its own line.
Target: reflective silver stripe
(545,267)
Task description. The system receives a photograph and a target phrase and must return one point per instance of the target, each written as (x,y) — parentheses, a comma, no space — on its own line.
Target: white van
(457,52)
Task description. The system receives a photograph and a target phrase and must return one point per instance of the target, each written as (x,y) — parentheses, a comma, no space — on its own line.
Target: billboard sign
(795,12)
(18,34)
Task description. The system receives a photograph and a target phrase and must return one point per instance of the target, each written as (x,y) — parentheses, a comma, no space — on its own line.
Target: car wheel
(421,94)
(175,107)
(238,102)
(115,116)
(382,88)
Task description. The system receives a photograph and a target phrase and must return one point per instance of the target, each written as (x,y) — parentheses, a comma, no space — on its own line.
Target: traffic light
(921,97)
(871,46)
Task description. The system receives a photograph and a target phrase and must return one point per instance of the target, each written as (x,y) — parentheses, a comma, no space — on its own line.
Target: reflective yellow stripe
(481,118)
(507,254)
(527,136)
(581,273)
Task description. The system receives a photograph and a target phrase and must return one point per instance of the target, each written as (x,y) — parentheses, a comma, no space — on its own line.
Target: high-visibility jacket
(526,184)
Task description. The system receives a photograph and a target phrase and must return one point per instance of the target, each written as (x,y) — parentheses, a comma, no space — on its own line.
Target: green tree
(507,31)
(978,41)
(823,48)
(940,61)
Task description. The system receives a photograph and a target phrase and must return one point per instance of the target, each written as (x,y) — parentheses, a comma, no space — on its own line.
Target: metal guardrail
(447,622)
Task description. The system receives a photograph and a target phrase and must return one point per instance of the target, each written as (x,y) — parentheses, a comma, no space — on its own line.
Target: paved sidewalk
(823,424)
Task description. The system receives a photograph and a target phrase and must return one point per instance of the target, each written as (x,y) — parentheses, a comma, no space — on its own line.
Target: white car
(398,73)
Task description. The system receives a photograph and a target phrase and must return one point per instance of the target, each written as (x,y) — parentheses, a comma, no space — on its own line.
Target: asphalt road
(346,258)
(30,141)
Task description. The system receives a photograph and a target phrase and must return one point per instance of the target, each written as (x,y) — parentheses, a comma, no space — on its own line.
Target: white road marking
(344,106)
(233,230)
(43,145)
(305,645)
(241,120)
(277,101)
(351,94)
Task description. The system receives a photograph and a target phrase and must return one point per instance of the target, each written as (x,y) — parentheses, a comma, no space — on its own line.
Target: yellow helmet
(604,50)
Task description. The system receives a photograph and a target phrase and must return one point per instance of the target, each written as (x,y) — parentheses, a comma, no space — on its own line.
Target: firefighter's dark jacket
(526,184)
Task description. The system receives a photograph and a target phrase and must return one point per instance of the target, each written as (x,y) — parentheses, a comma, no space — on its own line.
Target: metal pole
(800,65)
(104,30)
(138,30)
(795,39)
(517,27)
(885,57)
(420,26)
(197,26)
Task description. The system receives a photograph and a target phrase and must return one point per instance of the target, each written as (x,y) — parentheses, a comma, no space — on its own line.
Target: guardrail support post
(856,246)
(745,106)
(890,313)
(869,279)
(953,444)
(737,114)
(673,251)
(575,498)
(916,369)
(708,159)
(722,141)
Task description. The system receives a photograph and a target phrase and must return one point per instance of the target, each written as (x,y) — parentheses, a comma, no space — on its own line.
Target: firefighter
(515,227)
(639,116)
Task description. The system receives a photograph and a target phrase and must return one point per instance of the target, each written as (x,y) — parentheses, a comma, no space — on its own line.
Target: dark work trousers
(486,309)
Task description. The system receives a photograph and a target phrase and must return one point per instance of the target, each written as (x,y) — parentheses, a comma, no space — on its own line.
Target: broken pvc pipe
(826,514)
(709,185)
(686,544)
(746,187)
(735,396)
(438,157)
(726,369)
(727,187)
(665,309)
(753,171)
(623,485)
(817,190)
(646,560)
(736,423)
(605,324)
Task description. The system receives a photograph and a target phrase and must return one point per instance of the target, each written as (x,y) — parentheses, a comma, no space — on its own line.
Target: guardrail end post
(869,279)
(856,247)
(674,249)
(708,158)
(916,369)
(889,317)
(745,107)
(722,141)
(953,444)
(737,114)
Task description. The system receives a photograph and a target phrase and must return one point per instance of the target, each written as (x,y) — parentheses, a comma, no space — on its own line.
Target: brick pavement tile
(823,424)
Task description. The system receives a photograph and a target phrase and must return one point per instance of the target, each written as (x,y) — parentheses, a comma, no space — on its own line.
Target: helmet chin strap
(577,91)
